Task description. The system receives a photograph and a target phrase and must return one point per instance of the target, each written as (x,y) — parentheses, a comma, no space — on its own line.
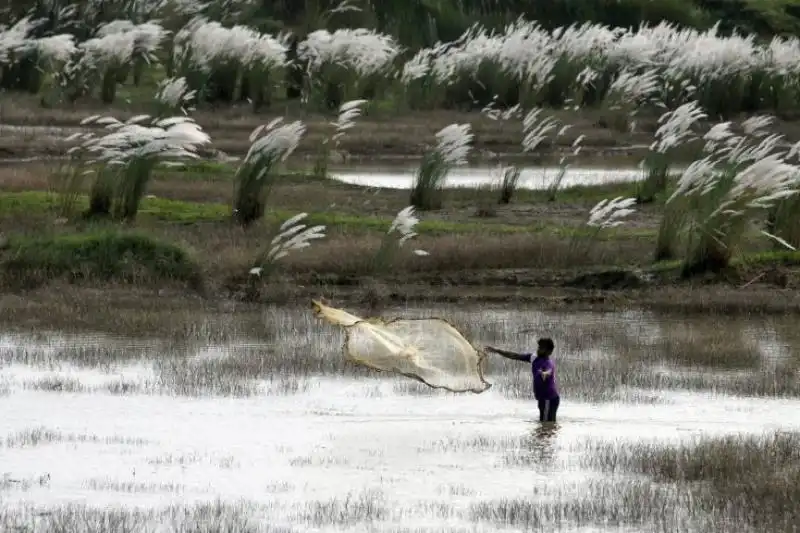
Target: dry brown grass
(384,133)
(753,481)
(379,134)
(705,348)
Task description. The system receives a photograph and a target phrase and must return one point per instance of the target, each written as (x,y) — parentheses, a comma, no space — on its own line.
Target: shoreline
(116,307)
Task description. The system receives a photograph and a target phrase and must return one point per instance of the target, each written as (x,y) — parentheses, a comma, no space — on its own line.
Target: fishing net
(429,350)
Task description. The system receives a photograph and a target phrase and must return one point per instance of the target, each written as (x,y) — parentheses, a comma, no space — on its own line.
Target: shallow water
(534,178)
(313,444)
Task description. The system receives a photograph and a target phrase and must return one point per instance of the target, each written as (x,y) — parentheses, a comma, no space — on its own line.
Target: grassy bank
(532,249)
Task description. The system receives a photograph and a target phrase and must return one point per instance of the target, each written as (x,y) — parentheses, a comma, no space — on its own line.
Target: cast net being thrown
(429,350)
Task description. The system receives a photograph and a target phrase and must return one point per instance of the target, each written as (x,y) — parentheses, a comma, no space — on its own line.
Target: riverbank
(38,131)
(184,250)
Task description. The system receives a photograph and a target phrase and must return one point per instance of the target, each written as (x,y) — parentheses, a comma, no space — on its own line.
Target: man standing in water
(545,389)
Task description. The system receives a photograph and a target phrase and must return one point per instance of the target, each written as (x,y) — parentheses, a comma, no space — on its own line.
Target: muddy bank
(129,309)
(33,131)
(769,290)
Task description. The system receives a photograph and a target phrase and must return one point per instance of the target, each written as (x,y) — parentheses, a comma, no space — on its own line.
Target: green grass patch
(579,194)
(782,257)
(750,260)
(180,212)
(98,255)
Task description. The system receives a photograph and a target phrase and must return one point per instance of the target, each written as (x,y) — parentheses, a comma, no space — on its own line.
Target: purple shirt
(544,388)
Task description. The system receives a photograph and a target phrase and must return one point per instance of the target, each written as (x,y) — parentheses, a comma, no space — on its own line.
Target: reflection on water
(282,422)
(530,178)
(544,443)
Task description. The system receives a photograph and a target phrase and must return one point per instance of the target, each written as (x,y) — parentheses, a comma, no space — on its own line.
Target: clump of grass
(348,113)
(675,129)
(718,196)
(607,214)
(452,148)
(620,503)
(66,181)
(508,175)
(127,155)
(563,166)
(221,62)
(627,94)
(403,226)
(509,182)
(346,63)
(292,235)
(174,97)
(535,129)
(271,144)
(238,517)
(366,506)
(109,255)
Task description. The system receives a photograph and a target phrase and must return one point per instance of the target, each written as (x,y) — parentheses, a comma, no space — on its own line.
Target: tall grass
(345,64)
(400,231)
(67,180)
(271,144)
(605,215)
(675,131)
(451,150)
(348,113)
(563,165)
(229,63)
(627,94)
(124,158)
(523,62)
(174,97)
(292,235)
(718,197)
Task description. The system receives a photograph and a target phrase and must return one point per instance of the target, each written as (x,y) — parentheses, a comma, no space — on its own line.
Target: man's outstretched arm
(525,357)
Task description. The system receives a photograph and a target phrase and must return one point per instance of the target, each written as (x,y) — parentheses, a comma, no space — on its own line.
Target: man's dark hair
(547,344)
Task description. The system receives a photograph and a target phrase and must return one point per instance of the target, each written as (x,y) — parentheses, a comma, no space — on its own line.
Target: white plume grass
(174,96)
(676,129)
(128,152)
(349,112)
(340,64)
(293,235)
(206,50)
(611,213)
(452,147)
(718,196)
(401,230)
(271,145)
